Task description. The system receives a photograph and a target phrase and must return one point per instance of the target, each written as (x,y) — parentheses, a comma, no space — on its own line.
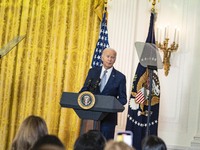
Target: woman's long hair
(31,129)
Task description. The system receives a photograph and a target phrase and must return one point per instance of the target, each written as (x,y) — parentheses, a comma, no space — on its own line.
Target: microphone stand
(150,69)
(93,89)
(149,51)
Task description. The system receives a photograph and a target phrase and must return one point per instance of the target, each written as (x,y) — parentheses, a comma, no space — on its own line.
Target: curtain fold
(54,57)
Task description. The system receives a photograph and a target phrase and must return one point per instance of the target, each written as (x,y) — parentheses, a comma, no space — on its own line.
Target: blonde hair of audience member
(115,145)
(31,129)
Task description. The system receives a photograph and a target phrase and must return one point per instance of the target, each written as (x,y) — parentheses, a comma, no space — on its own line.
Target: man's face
(108,58)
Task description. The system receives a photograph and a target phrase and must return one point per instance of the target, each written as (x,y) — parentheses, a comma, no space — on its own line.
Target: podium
(103,105)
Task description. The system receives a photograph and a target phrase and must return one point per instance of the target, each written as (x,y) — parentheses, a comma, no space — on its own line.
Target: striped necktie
(103,81)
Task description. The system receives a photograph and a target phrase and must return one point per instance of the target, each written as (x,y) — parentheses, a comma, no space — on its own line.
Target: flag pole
(150,70)
(138,103)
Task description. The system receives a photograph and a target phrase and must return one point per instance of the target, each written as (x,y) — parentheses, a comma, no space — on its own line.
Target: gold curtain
(54,57)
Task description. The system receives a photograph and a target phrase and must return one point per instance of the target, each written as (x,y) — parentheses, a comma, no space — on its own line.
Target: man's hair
(153,142)
(92,140)
(108,48)
(48,140)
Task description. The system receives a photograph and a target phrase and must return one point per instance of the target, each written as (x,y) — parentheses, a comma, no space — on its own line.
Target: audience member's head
(115,145)
(92,140)
(49,142)
(153,142)
(31,129)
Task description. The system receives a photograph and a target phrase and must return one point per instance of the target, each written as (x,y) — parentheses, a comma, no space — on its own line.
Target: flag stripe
(140,97)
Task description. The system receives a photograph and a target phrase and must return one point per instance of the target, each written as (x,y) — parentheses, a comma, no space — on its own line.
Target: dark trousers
(108,131)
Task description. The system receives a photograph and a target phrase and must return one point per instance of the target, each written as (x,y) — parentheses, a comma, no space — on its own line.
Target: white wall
(180,101)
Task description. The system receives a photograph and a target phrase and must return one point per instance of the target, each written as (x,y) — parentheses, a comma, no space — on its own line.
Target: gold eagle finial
(153,4)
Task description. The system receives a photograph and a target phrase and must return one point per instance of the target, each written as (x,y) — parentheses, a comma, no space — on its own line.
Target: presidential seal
(86,100)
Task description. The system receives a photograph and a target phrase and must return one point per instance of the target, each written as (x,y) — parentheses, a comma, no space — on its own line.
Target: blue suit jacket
(116,86)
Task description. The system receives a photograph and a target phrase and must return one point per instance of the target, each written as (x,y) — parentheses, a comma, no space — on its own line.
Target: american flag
(102,43)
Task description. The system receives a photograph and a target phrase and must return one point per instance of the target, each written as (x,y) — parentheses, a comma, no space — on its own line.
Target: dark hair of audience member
(49,142)
(31,129)
(117,145)
(153,142)
(92,140)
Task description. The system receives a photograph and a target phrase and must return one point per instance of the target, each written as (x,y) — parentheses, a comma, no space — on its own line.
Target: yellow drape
(54,57)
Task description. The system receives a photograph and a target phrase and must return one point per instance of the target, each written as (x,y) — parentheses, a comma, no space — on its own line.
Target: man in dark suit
(112,83)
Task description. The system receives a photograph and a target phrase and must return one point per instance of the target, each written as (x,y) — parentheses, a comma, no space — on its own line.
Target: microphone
(88,85)
(95,85)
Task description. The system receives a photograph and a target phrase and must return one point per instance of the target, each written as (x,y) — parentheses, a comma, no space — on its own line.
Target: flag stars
(140,124)
(102,43)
